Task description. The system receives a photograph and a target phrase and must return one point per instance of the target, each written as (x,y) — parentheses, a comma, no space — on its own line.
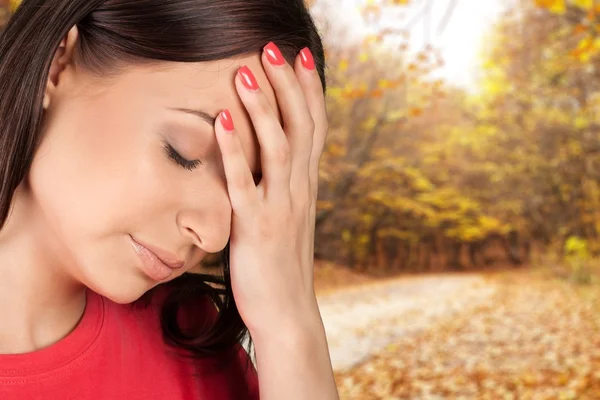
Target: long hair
(117,33)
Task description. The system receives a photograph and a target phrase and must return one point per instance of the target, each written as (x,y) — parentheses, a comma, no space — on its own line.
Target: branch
(447,15)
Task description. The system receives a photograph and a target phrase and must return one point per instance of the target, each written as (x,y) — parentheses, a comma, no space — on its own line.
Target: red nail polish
(273,54)
(226,120)
(307,58)
(248,78)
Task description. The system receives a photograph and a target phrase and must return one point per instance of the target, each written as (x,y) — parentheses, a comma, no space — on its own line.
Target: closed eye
(190,165)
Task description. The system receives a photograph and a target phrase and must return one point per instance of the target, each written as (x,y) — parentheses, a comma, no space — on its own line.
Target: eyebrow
(209,119)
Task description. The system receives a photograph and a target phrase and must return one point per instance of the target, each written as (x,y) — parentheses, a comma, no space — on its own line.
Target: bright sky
(460,42)
(462,39)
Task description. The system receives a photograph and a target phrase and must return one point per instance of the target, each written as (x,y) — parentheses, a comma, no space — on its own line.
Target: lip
(154,266)
(169,259)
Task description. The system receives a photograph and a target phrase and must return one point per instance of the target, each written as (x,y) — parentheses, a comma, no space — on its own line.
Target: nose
(206,219)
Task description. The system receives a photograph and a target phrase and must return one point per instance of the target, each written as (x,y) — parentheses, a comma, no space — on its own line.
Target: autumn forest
(458,228)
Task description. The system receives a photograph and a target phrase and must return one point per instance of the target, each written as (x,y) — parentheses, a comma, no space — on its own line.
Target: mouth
(158,264)
(167,258)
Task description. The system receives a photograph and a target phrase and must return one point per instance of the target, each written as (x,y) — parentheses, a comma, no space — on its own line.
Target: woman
(137,137)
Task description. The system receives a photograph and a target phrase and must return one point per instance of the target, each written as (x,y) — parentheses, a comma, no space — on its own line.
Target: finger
(240,182)
(310,81)
(274,146)
(297,121)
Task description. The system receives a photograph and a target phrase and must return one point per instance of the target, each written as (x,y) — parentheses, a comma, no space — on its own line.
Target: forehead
(210,87)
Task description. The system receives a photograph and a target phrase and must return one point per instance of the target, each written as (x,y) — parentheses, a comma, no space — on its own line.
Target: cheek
(88,178)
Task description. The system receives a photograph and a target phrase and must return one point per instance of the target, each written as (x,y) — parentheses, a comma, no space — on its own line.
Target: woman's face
(103,174)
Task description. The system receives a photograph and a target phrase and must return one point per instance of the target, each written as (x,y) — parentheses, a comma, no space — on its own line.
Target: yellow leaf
(376,93)
(586,48)
(584,56)
(336,149)
(343,65)
(325,204)
(13,5)
(554,6)
(559,7)
(335,92)
(394,84)
(370,123)
(585,4)
(383,83)
(415,112)
(581,122)
(396,115)
(363,57)
(563,378)
(346,235)
(581,28)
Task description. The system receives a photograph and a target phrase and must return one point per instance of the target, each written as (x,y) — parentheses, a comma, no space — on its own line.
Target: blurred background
(458,224)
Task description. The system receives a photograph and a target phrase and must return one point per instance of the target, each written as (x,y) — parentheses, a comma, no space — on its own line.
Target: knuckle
(310,125)
(281,154)
(263,107)
(242,182)
(304,125)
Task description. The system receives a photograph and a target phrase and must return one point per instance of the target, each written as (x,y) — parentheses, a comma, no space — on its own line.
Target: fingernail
(273,54)
(226,120)
(248,78)
(307,58)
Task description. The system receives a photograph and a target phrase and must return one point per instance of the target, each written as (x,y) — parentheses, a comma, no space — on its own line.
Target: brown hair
(113,34)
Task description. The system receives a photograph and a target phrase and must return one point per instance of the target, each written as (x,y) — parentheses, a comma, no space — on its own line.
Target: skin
(102,155)
(101,175)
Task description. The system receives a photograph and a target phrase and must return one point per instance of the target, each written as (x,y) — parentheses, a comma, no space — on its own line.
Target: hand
(273,223)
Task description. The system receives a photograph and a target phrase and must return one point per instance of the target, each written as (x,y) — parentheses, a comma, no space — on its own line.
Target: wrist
(293,361)
(296,327)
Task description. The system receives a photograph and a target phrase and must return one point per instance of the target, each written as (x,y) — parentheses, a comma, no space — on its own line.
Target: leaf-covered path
(522,335)
(361,321)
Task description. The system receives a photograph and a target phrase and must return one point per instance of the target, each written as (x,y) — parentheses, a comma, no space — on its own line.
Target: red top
(117,352)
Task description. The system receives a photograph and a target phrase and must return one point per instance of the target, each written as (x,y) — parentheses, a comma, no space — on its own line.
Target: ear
(62,57)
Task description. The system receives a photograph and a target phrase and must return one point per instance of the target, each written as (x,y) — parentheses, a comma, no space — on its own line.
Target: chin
(122,298)
(125,290)
(118,277)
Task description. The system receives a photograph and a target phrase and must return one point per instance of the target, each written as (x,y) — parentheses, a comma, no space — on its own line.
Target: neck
(40,303)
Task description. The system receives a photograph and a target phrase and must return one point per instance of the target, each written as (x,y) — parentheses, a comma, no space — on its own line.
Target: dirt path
(362,321)
(523,335)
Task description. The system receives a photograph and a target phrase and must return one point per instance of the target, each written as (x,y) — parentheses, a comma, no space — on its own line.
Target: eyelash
(177,158)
